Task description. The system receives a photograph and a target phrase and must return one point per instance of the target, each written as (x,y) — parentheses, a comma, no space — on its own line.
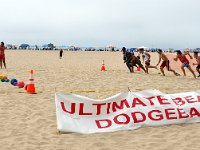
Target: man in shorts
(185,62)
(165,63)
(198,62)
(146,59)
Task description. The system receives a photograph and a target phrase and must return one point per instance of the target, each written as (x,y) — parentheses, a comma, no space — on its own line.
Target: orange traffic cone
(138,68)
(31,86)
(103,68)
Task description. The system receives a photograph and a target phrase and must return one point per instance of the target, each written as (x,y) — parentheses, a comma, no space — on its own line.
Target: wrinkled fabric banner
(125,111)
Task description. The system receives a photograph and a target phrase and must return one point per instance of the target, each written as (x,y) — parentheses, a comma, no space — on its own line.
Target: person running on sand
(146,59)
(127,57)
(198,62)
(61,53)
(2,55)
(165,63)
(132,60)
(124,52)
(185,62)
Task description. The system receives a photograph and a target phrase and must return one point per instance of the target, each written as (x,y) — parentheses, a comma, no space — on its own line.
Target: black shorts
(185,64)
(198,67)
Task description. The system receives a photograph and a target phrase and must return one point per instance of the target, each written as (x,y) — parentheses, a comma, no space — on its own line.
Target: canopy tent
(24,46)
(145,48)
(197,49)
(131,49)
(49,46)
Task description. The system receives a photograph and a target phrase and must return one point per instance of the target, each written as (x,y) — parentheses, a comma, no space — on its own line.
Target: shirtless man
(165,63)
(146,59)
(198,62)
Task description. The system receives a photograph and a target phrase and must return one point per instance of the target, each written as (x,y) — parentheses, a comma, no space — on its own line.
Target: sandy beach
(28,122)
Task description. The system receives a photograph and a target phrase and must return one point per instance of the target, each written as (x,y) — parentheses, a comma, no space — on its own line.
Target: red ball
(20,84)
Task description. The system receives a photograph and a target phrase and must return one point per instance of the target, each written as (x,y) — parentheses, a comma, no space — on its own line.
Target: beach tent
(110,48)
(34,47)
(24,46)
(9,46)
(145,48)
(49,46)
(197,49)
(131,49)
(45,46)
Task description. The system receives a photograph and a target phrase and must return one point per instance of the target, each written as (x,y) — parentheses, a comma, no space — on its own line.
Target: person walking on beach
(146,59)
(2,55)
(185,62)
(61,53)
(124,53)
(198,62)
(165,63)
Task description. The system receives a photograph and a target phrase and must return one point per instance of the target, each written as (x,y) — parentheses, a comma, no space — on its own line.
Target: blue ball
(13,81)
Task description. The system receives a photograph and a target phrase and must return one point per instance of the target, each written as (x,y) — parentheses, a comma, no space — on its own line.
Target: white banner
(125,111)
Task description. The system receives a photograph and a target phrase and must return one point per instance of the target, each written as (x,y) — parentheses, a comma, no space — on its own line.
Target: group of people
(131,60)
(2,55)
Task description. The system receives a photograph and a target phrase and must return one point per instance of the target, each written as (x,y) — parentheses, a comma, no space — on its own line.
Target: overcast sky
(130,23)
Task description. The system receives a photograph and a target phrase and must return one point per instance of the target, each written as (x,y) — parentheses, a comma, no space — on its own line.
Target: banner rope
(91,91)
